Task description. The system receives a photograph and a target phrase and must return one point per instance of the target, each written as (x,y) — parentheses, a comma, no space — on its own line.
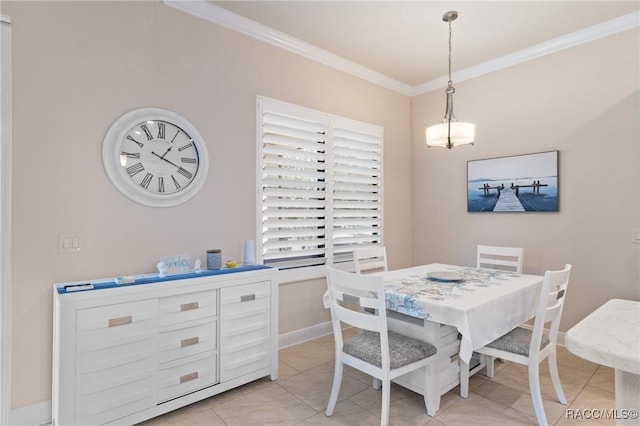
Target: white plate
(445,276)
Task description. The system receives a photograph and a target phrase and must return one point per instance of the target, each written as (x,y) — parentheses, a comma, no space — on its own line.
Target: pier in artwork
(508,198)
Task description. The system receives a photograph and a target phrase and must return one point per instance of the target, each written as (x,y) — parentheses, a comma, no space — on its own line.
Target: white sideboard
(123,354)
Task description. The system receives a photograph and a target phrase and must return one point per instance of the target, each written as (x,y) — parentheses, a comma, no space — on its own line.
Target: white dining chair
(370,259)
(501,258)
(530,347)
(376,351)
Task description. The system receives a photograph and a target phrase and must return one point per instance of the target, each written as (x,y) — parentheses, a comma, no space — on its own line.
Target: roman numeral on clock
(146,131)
(160,184)
(185,173)
(175,182)
(188,160)
(161,130)
(146,181)
(182,148)
(131,154)
(140,144)
(135,169)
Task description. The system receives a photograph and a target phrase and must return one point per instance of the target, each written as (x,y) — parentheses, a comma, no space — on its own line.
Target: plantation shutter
(293,185)
(357,187)
(319,191)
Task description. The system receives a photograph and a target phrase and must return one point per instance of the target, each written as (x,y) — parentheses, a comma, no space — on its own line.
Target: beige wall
(77,66)
(582,102)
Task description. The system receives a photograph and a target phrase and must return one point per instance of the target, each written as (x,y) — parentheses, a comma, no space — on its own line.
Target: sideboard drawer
(116,325)
(194,338)
(187,375)
(244,297)
(240,359)
(187,307)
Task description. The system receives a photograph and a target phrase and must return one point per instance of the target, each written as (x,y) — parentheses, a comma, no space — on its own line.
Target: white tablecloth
(483,306)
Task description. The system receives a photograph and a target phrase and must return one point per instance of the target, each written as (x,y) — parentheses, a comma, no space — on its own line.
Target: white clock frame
(111,151)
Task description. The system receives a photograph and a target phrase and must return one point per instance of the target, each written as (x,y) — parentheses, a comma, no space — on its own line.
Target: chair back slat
(555,300)
(357,319)
(370,259)
(350,293)
(363,300)
(502,258)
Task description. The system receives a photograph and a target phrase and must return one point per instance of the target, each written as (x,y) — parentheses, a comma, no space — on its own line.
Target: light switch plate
(70,242)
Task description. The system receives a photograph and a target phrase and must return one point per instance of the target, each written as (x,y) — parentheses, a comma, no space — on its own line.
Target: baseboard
(304,334)
(38,414)
(560,338)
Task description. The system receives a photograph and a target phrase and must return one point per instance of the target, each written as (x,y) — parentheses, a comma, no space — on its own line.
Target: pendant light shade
(454,133)
(450,132)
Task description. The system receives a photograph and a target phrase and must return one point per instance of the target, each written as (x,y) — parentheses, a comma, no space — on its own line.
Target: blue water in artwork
(545,201)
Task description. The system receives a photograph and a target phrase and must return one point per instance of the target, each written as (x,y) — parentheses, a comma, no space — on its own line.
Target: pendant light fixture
(450,132)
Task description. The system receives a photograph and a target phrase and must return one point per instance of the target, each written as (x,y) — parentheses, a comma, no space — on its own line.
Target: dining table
(457,309)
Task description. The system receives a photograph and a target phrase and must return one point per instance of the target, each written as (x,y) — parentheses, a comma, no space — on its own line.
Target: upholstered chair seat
(403,350)
(516,341)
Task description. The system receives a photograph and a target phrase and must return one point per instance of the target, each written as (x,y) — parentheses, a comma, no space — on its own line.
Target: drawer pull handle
(114,322)
(190,341)
(189,377)
(189,306)
(454,357)
(248,297)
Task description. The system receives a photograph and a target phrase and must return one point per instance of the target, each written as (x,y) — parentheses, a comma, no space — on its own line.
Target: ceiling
(407,42)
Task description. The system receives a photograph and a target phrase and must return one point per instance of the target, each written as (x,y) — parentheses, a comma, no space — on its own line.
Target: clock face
(155,157)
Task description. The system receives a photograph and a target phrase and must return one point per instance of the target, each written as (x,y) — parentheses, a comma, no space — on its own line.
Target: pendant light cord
(460,133)
(449,113)
(450,82)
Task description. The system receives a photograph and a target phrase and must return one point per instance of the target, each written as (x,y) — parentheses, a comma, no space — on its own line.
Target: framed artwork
(520,183)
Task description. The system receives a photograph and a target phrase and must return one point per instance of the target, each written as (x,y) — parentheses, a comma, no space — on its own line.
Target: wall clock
(155,157)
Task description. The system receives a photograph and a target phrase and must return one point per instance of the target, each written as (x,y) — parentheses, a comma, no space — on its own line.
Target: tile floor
(300,395)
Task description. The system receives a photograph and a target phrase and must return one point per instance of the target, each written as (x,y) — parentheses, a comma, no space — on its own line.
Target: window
(319,186)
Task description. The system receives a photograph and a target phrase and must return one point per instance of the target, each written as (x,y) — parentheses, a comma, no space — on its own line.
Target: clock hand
(163,155)
(164,159)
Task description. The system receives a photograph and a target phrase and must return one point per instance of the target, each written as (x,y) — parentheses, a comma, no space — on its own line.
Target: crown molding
(586,35)
(218,15)
(233,21)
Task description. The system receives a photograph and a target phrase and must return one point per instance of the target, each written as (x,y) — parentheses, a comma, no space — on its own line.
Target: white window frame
(338,132)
